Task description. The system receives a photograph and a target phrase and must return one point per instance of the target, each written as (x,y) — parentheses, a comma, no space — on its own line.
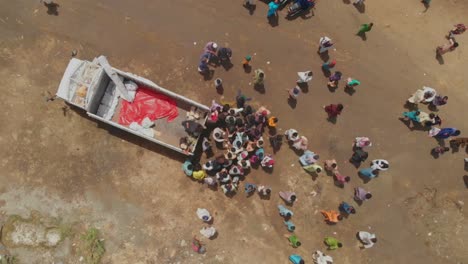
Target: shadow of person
(303,86)
(349,90)
(259,88)
(439,58)
(273,21)
(52,8)
(250,7)
(465,180)
(247,68)
(426,6)
(347,2)
(208,75)
(332,120)
(362,35)
(331,88)
(361,8)
(326,72)
(220,89)
(292,102)
(410,106)
(227,65)
(364,178)
(324,56)
(434,154)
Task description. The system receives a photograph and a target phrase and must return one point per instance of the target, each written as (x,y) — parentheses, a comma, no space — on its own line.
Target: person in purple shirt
(447,132)
(368,173)
(360,194)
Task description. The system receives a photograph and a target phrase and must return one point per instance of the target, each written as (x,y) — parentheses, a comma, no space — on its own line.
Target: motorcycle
(296,8)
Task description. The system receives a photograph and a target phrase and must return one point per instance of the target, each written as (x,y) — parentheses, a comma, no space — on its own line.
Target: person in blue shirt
(447,132)
(368,173)
(273,7)
(346,208)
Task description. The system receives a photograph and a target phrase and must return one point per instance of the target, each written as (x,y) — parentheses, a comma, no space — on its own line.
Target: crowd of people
(238,130)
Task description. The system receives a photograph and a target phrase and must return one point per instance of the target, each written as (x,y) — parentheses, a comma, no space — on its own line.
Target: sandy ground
(60,163)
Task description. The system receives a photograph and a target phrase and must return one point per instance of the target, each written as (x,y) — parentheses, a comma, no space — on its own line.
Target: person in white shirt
(325,43)
(320,258)
(304,77)
(367,239)
(380,164)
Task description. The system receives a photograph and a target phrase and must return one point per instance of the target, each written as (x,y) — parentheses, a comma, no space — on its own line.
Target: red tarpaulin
(149,104)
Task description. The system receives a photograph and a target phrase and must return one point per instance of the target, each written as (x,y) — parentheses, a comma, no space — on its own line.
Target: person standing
(288,197)
(332,243)
(380,164)
(325,43)
(334,79)
(326,66)
(333,110)
(369,173)
(259,77)
(304,77)
(360,194)
(351,83)
(365,28)
(367,239)
(294,92)
(439,100)
(272,8)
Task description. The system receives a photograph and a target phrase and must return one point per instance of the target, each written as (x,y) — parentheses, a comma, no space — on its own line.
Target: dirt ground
(59,164)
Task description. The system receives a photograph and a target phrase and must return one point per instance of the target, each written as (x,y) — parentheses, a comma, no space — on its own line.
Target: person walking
(365,28)
(451,46)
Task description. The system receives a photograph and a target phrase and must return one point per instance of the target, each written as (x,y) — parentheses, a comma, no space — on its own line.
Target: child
(294,92)
(246,61)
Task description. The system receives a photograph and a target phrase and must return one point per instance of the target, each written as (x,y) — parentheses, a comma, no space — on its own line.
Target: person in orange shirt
(332,216)
(272,122)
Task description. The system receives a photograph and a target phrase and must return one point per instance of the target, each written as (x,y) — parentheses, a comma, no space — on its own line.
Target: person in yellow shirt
(272,121)
(198,173)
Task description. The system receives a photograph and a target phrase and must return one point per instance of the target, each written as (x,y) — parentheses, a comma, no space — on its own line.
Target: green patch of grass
(94,247)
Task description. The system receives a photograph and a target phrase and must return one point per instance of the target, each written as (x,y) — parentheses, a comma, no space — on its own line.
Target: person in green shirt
(332,243)
(259,77)
(293,240)
(365,28)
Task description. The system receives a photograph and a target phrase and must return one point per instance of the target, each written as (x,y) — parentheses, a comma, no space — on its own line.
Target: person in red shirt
(333,110)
